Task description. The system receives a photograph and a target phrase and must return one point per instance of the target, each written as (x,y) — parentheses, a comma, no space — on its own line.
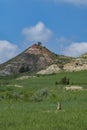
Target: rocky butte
(34,58)
(42,61)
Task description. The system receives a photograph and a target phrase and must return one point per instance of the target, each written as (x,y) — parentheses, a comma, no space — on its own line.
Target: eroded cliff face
(76,65)
(52,69)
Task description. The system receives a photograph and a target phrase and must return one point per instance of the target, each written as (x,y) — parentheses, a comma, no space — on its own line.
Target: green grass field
(32,105)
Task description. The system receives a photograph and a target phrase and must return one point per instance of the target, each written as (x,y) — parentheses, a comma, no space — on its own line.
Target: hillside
(84,55)
(34,58)
(39,59)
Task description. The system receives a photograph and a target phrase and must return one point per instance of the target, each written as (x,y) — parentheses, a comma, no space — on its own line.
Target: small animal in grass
(59,106)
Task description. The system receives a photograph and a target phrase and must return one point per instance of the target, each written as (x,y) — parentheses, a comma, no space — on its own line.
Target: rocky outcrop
(73,88)
(76,65)
(50,70)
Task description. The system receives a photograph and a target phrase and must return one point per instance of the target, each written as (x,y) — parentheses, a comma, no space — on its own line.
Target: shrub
(65,80)
(15,95)
(21,70)
(40,95)
(56,83)
(53,97)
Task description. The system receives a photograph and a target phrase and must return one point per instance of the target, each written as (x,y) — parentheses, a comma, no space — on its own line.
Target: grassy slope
(24,114)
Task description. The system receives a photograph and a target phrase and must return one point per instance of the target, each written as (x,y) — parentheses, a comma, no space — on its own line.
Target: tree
(39,43)
(21,70)
(24,69)
(65,80)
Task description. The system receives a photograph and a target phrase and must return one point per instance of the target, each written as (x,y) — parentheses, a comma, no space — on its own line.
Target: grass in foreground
(22,113)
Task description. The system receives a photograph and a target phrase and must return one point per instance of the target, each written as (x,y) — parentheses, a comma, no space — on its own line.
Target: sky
(60,25)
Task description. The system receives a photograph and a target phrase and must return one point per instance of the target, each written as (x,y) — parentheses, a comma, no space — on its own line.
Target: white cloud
(75,49)
(63,40)
(7,50)
(76,2)
(36,33)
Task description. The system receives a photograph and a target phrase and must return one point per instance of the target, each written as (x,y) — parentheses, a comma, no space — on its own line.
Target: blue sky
(61,25)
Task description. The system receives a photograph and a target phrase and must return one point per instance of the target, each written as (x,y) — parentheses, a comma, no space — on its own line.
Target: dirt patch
(74,88)
(18,86)
(25,77)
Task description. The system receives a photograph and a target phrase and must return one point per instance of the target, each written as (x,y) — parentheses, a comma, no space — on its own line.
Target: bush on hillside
(40,95)
(63,81)
(23,69)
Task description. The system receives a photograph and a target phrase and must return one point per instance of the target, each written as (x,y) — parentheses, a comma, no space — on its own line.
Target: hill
(41,60)
(34,58)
